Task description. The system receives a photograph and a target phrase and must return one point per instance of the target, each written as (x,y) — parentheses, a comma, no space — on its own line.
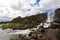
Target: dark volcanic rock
(57,16)
(31,20)
(56,22)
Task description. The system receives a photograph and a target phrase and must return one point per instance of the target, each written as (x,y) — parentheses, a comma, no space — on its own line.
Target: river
(6,34)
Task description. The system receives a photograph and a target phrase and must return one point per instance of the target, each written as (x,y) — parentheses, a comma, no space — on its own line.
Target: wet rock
(57,16)
(55,25)
(58,34)
(41,29)
(33,35)
(39,35)
(21,37)
(56,21)
(32,39)
(12,39)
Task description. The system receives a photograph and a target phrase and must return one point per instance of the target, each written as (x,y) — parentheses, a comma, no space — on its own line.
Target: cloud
(47,4)
(23,8)
(5,19)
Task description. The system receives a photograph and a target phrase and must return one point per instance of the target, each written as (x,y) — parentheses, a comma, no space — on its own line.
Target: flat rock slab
(51,34)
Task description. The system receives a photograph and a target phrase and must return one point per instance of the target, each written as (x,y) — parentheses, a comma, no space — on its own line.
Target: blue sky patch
(28,10)
(49,10)
(38,12)
(36,3)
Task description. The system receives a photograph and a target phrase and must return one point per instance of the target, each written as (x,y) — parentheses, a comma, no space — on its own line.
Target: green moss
(13,25)
(17,26)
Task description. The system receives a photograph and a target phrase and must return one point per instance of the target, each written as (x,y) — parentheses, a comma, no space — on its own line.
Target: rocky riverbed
(4,34)
(47,34)
(38,33)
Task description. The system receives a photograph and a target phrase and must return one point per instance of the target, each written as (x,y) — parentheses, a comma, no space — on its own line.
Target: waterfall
(50,18)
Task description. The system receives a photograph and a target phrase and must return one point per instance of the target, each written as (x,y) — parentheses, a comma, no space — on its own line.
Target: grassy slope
(27,22)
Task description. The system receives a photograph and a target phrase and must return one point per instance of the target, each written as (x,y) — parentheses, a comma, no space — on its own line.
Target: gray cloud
(46,4)
(16,7)
(19,7)
(5,19)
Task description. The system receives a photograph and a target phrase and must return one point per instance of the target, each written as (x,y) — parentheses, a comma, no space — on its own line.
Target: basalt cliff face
(26,22)
(31,20)
(57,16)
(56,21)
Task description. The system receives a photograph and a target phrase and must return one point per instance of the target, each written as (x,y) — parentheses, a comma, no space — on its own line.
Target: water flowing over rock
(56,21)
(50,18)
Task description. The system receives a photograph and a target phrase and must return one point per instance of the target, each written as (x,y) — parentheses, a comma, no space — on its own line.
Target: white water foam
(50,18)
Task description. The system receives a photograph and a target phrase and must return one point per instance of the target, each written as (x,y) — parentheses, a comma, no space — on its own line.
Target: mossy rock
(16,26)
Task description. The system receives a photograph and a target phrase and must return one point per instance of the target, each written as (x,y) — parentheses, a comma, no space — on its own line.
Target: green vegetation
(14,26)
(24,23)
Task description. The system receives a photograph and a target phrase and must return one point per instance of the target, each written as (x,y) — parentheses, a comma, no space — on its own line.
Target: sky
(14,8)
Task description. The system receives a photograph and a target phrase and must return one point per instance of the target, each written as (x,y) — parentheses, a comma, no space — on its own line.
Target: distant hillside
(27,22)
(31,20)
